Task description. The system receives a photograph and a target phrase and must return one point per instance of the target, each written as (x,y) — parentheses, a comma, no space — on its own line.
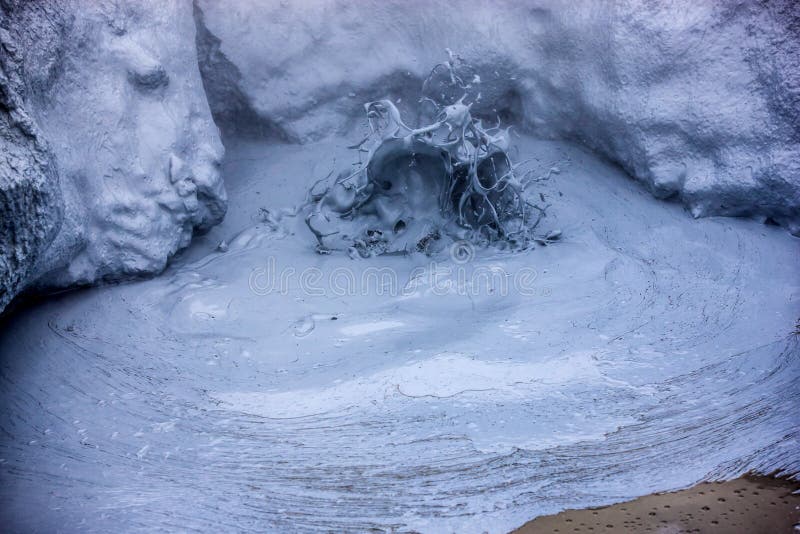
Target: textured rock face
(29,196)
(113,89)
(699,100)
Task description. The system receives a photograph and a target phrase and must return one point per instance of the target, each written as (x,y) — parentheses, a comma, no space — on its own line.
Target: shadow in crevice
(231,108)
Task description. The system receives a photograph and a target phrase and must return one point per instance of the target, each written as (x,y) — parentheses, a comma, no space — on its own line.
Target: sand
(749,505)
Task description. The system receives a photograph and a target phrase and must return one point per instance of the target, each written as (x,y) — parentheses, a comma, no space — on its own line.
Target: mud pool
(649,351)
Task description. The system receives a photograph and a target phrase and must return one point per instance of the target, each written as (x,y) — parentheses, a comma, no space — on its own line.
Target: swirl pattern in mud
(648,352)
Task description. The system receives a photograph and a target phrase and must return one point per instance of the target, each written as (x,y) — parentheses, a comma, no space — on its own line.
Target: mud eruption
(450,178)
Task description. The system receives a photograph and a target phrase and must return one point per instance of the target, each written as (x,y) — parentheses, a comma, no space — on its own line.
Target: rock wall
(699,100)
(112,157)
(30,200)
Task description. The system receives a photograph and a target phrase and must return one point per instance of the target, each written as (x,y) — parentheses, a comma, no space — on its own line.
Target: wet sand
(747,505)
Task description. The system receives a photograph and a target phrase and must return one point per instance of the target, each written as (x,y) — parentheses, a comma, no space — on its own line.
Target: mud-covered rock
(30,204)
(120,154)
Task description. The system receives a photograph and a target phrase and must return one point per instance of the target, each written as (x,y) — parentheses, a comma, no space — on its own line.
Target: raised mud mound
(30,200)
(111,155)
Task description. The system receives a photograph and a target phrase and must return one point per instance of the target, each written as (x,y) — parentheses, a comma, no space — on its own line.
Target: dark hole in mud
(508,108)
(412,180)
